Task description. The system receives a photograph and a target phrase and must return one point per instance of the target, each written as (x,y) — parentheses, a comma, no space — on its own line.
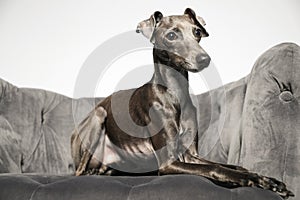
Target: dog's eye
(171,36)
(197,32)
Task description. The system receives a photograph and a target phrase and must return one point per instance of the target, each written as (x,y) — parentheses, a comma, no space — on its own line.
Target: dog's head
(177,39)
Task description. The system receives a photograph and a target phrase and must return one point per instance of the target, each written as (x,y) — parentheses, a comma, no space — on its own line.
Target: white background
(43,43)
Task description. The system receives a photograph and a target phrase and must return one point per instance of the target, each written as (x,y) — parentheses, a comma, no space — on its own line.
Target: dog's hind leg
(86,138)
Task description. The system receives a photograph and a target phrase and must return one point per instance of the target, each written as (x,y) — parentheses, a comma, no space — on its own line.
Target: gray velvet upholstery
(252,122)
(38,187)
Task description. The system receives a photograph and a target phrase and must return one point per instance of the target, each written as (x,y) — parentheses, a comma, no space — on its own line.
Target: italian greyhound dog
(163,139)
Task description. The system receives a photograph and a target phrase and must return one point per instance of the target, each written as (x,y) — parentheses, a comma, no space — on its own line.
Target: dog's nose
(203,59)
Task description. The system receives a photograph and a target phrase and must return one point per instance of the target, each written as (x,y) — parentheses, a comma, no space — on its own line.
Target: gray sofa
(253,122)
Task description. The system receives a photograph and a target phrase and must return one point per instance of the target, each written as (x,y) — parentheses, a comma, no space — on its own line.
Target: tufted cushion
(37,187)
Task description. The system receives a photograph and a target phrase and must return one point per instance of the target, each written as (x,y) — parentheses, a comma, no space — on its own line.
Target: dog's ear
(148,26)
(199,21)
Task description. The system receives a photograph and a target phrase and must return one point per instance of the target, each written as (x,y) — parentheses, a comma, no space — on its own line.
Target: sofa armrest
(271,116)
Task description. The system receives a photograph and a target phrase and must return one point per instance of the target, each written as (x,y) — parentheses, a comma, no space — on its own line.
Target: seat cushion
(173,187)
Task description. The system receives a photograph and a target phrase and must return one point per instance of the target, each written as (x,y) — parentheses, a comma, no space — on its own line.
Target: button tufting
(286,96)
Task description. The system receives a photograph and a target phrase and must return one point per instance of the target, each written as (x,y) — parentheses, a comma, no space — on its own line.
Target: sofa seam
(48,183)
(135,186)
(33,150)
(34,192)
(128,195)
(284,162)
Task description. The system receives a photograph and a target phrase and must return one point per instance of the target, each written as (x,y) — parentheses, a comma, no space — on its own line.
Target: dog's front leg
(224,175)
(86,138)
(189,140)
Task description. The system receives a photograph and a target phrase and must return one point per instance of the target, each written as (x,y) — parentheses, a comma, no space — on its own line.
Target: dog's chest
(128,153)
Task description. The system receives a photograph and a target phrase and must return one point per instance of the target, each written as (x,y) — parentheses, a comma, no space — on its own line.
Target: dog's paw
(268,183)
(276,186)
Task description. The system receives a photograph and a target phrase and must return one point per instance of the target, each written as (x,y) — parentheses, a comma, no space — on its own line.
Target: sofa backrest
(36,127)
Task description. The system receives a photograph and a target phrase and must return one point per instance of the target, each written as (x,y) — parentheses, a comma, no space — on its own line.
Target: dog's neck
(175,79)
